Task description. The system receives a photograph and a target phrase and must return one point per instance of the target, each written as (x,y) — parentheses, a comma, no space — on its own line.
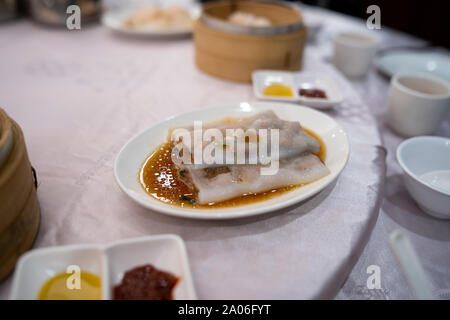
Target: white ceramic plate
(298,80)
(165,252)
(114,19)
(403,60)
(130,159)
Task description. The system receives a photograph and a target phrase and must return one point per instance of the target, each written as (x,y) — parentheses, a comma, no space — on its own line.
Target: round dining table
(80,95)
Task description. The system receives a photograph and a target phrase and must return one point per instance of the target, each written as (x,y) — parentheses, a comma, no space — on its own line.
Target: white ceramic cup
(354,52)
(417,104)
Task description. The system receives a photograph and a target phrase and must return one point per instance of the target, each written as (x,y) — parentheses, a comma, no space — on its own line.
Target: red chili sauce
(313,93)
(146,283)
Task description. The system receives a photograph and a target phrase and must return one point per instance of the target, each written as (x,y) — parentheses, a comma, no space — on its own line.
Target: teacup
(417,104)
(354,52)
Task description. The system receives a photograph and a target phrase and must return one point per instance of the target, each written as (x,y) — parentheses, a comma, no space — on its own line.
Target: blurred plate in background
(404,60)
(114,19)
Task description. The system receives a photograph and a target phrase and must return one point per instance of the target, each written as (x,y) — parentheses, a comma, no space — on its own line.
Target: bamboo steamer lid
(233,51)
(19,208)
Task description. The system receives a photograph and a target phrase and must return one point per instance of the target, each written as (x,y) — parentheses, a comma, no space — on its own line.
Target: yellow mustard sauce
(278,89)
(56,288)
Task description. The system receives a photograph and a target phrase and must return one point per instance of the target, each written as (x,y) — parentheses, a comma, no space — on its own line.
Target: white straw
(412,268)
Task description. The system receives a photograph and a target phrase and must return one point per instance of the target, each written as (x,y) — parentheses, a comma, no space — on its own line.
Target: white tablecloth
(429,236)
(79,96)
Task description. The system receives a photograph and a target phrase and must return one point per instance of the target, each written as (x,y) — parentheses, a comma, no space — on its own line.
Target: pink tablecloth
(79,96)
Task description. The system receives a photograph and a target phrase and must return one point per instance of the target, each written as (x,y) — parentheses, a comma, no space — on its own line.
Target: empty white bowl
(425,161)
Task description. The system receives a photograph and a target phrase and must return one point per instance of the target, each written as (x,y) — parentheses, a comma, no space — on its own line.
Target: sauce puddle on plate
(159,179)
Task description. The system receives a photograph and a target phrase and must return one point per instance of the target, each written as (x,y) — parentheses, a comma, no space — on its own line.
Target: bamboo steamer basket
(19,207)
(6,138)
(233,52)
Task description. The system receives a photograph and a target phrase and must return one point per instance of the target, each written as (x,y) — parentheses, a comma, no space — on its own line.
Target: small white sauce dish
(425,161)
(110,262)
(297,81)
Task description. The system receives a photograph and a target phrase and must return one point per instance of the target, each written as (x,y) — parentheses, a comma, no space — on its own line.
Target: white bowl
(165,252)
(131,157)
(426,163)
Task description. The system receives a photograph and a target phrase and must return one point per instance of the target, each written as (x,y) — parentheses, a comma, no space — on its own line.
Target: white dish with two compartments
(297,81)
(110,262)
